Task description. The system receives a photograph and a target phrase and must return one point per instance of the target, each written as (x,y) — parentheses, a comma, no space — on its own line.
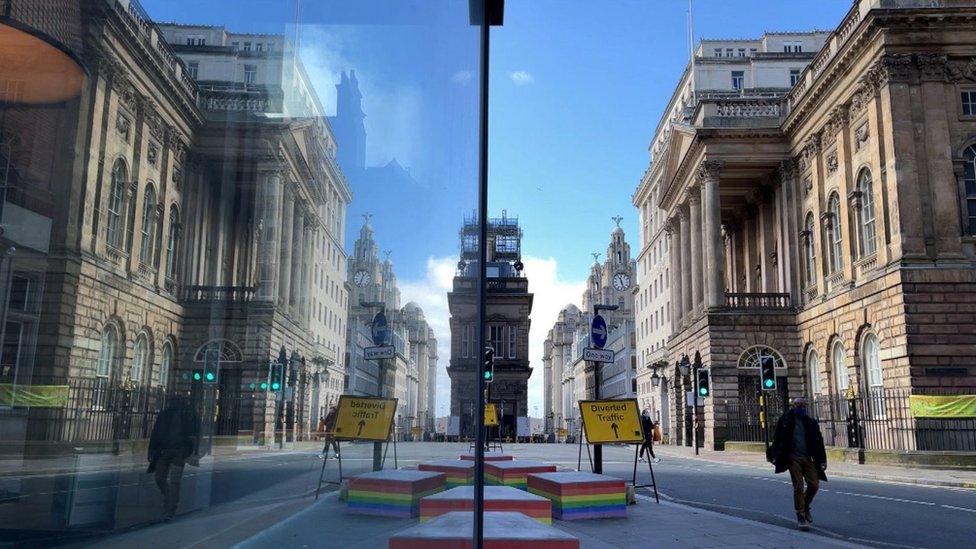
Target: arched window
(107,352)
(165,365)
(871,356)
(813,366)
(116,204)
(809,251)
(969,192)
(833,234)
(173,243)
(841,377)
(147,248)
(140,362)
(866,213)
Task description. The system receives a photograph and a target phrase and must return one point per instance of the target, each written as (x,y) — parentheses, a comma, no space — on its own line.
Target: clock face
(361,278)
(621,282)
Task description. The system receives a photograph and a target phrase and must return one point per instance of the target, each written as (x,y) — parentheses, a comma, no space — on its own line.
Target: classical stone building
(557,360)
(507,330)
(830,228)
(195,219)
(760,68)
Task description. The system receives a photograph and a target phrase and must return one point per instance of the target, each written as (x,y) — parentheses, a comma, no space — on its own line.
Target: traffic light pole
(597,448)
(694,410)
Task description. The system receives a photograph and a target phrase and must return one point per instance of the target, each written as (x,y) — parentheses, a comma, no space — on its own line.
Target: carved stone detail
(861,136)
(123,125)
(831,162)
(959,71)
(932,66)
(709,169)
(152,154)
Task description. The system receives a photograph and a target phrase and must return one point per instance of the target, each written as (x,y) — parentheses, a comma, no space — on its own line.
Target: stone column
(714,242)
(685,272)
(297,259)
(284,262)
(268,206)
(697,265)
(673,230)
(307,280)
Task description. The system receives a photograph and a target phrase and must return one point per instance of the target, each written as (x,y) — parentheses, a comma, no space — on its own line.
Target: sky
(576,91)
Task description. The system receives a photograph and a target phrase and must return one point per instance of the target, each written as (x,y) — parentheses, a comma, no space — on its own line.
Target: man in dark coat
(648,446)
(173,440)
(798,447)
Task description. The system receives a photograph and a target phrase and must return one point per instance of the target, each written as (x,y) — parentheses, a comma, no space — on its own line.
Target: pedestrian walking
(173,441)
(799,448)
(648,445)
(329,425)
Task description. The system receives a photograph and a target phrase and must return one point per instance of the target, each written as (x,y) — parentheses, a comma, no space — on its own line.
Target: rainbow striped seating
(503,530)
(489,456)
(513,473)
(497,498)
(458,472)
(577,495)
(394,493)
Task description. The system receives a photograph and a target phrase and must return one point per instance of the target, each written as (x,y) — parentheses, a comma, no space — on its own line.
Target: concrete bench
(513,473)
(577,495)
(395,493)
(458,472)
(497,498)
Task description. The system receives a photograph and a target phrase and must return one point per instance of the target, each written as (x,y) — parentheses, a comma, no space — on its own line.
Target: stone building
(830,228)
(509,304)
(763,67)
(557,360)
(187,235)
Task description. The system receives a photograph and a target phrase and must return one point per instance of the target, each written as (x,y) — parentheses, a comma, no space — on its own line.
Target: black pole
(378,446)
(597,448)
(479,447)
(694,409)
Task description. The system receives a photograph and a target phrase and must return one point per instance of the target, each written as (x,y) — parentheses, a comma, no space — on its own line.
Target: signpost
(611,421)
(598,355)
(599,333)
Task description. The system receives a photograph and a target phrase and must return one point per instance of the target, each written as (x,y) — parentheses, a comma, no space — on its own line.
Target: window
(718,52)
(512,340)
(810,252)
(738,78)
(742,52)
(840,368)
(872,364)
(193,68)
(792,47)
(235,45)
(250,74)
(728,52)
(140,360)
(868,243)
(969,191)
(969,103)
(752,51)
(116,201)
(834,239)
(794,76)
(466,333)
(173,244)
(20,294)
(147,248)
(247,46)
(258,46)
(496,339)
(813,366)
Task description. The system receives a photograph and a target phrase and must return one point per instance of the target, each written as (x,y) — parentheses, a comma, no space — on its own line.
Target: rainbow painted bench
(514,473)
(458,472)
(497,498)
(577,495)
(489,456)
(395,493)
(503,530)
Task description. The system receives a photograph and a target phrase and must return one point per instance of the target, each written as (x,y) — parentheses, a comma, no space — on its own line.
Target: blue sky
(577,88)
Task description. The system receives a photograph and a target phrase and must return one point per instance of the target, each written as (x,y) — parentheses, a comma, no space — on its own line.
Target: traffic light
(197,376)
(704,388)
(767,373)
(275,377)
(488,366)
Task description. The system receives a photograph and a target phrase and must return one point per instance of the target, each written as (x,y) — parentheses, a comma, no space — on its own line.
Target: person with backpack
(172,442)
(798,447)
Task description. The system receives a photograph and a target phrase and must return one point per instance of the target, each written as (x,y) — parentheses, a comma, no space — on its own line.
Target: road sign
(598,331)
(364,418)
(598,355)
(379,353)
(380,329)
(491,415)
(609,421)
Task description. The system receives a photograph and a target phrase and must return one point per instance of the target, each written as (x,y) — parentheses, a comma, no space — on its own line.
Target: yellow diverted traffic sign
(491,415)
(364,418)
(609,421)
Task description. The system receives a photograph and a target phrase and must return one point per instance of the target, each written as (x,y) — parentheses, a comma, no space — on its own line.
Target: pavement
(715,499)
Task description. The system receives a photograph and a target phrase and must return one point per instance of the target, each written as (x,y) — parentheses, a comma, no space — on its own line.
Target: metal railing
(757,301)
(880,419)
(219,293)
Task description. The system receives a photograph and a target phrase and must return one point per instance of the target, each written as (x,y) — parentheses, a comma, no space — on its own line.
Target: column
(768,246)
(685,272)
(284,262)
(714,242)
(695,222)
(674,276)
(298,249)
(307,281)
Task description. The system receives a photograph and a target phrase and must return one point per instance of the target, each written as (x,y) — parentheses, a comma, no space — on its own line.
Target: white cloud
(462,77)
(551,294)
(521,78)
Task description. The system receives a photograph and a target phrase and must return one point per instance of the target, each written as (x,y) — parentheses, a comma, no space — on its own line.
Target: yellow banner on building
(943,406)
(34,396)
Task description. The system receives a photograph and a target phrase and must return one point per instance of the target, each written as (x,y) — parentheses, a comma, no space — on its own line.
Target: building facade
(509,305)
(831,231)
(760,68)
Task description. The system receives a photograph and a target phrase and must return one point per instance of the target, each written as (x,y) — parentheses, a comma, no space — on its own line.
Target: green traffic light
(275,386)
(703,391)
(768,383)
(252,386)
(487,375)
(211,376)
(264,385)
(196,376)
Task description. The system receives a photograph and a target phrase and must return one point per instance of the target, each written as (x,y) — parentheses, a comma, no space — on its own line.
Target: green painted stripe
(389,497)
